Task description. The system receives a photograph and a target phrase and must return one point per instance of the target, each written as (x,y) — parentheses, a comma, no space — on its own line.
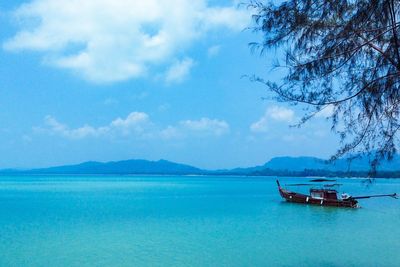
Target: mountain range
(278,166)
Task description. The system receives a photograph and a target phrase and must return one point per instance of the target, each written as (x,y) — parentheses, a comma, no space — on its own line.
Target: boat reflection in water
(324,197)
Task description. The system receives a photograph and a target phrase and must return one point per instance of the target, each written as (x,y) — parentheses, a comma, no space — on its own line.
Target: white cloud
(206,126)
(199,128)
(274,113)
(179,71)
(108,40)
(213,50)
(260,126)
(280,114)
(171,133)
(135,123)
(55,127)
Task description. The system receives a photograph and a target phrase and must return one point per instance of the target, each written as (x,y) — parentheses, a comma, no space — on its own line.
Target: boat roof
(323,190)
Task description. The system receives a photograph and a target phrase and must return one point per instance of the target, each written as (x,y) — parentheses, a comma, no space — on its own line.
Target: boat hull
(306,199)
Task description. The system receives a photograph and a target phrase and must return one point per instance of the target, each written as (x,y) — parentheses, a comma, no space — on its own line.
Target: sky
(107,80)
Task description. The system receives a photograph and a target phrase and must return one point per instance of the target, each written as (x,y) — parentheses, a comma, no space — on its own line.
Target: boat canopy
(323,193)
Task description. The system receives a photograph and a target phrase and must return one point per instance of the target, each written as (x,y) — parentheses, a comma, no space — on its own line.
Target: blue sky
(110,80)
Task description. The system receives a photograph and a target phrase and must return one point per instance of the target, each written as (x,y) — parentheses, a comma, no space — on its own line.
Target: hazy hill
(343,165)
(120,167)
(279,166)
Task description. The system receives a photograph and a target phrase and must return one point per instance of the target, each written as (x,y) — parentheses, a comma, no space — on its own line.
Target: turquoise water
(189,221)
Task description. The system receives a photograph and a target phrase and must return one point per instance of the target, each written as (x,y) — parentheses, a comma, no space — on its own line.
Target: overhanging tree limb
(342,53)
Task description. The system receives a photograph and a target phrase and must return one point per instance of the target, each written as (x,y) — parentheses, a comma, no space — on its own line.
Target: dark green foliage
(342,55)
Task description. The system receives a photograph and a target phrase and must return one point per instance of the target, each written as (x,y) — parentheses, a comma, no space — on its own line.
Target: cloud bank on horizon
(137,125)
(111,41)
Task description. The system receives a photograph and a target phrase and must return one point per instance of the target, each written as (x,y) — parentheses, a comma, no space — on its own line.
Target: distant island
(279,166)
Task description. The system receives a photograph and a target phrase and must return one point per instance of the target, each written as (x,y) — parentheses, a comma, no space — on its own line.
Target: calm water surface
(189,221)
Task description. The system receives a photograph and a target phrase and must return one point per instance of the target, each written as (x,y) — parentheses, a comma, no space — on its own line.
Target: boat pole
(394,195)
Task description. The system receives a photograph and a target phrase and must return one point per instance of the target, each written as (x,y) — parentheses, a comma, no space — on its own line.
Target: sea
(191,221)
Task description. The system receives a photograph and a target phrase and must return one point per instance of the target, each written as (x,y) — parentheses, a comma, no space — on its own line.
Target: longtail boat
(325,197)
